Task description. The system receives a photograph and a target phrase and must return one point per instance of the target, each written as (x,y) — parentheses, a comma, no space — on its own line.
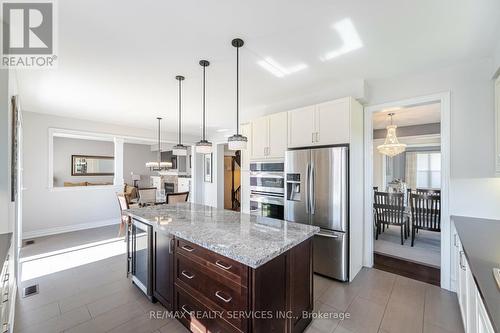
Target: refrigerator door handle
(312,190)
(308,180)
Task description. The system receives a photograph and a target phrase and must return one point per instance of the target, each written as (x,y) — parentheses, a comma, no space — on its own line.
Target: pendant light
(237,141)
(204,146)
(391,146)
(179,149)
(158,165)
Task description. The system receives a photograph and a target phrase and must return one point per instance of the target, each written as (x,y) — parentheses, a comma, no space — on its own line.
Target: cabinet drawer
(197,317)
(228,295)
(229,268)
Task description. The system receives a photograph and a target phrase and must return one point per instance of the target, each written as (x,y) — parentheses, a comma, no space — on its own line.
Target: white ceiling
(118,59)
(415,115)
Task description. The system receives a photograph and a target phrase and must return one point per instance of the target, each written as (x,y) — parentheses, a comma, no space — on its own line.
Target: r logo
(28,28)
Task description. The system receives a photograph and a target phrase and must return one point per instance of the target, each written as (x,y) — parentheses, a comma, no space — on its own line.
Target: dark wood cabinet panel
(208,289)
(197,317)
(163,269)
(219,264)
(301,285)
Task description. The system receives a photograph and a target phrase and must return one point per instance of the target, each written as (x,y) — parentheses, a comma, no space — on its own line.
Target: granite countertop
(248,239)
(480,240)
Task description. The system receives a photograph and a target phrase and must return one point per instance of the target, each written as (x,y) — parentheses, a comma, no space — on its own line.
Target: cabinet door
(483,321)
(277,135)
(301,127)
(462,287)
(246,130)
(164,269)
(260,137)
(497,127)
(333,122)
(471,299)
(455,253)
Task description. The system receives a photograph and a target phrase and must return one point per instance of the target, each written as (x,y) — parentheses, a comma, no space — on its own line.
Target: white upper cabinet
(246,130)
(497,120)
(333,122)
(322,124)
(260,137)
(277,135)
(269,137)
(301,127)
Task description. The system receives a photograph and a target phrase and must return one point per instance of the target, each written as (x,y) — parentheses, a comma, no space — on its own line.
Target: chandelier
(159,165)
(391,146)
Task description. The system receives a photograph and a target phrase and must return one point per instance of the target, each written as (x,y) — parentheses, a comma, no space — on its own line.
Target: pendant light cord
(237,90)
(203,103)
(159,142)
(180,112)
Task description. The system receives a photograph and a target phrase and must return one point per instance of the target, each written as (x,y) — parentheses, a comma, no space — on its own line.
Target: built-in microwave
(267,189)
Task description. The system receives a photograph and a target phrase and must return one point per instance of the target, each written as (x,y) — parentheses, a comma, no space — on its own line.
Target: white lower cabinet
(474,315)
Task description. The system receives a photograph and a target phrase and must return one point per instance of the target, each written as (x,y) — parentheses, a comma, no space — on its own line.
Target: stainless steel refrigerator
(317,194)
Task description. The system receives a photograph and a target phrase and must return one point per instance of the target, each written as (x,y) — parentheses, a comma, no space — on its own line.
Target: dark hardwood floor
(408,269)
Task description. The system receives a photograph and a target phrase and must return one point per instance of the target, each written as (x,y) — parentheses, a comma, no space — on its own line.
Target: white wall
(214,192)
(135,157)
(496,60)
(54,210)
(65,147)
(472,129)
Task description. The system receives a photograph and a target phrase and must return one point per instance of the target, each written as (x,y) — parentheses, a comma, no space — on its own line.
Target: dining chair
(177,197)
(147,196)
(425,213)
(390,210)
(124,218)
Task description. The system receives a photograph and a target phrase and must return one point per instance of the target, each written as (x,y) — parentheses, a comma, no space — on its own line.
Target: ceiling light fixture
(237,141)
(391,146)
(277,70)
(179,149)
(349,36)
(204,146)
(158,165)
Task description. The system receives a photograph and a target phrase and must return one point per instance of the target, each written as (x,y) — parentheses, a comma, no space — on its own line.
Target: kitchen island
(223,271)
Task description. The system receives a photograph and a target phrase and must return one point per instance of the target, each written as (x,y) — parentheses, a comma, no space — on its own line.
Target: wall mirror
(86,165)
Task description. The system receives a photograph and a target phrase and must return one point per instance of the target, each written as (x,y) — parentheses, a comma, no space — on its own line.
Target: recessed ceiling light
(349,36)
(277,69)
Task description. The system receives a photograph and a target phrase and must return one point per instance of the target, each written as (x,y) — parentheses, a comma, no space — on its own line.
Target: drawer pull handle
(187,248)
(221,265)
(187,275)
(185,310)
(226,300)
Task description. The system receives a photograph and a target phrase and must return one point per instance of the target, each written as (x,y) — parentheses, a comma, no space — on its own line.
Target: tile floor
(426,249)
(97,297)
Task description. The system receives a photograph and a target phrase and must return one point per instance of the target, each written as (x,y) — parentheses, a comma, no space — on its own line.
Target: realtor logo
(28,34)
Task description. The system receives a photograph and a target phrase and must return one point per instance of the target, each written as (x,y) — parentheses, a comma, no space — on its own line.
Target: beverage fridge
(317,186)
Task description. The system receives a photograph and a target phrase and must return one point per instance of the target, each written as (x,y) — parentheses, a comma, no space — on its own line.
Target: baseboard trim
(69,228)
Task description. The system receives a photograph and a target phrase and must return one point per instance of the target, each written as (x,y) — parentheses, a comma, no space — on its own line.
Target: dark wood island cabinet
(211,292)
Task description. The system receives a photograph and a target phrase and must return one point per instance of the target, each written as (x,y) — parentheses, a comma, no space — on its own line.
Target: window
(429,170)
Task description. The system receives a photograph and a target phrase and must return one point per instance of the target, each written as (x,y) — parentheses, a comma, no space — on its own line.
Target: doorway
(232,179)
(399,183)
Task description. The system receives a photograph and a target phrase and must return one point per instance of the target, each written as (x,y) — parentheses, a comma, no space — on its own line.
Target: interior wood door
(333,122)
(301,127)
(277,135)
(260,137)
